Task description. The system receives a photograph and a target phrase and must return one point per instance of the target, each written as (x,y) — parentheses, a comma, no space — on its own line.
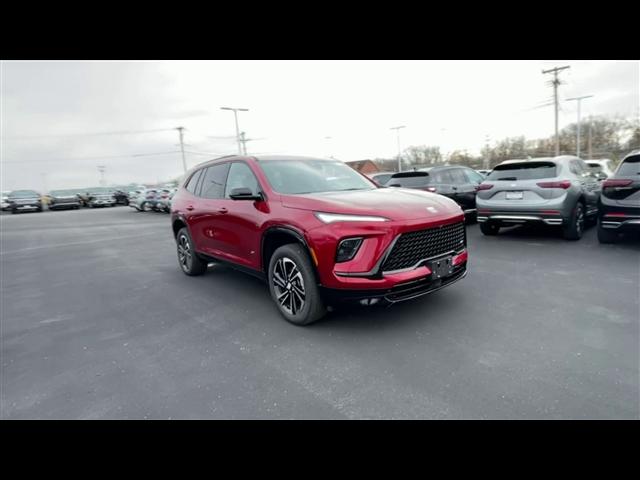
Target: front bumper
(22,207)
(56,205)
(401,292)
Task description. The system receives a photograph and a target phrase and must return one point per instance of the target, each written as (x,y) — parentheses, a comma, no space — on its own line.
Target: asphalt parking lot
(99,322)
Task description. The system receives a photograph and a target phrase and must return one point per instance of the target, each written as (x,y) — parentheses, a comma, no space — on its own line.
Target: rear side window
(458,176)
(213,181)
(472,176)
(409,182)
(442,177)
(630,167)
(193,181)
(523,171)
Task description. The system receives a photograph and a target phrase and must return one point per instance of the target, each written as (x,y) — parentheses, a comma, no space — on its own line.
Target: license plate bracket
(514,195)
(441,267)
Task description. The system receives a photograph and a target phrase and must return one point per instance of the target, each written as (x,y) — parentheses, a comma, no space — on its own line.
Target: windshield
(24,194)
(99,190)
(62,193)
(523,171)
(312,176)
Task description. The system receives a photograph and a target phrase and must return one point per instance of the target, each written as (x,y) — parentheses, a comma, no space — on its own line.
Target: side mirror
(244,193)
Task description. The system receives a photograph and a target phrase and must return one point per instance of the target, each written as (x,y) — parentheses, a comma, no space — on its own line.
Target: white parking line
(42,247)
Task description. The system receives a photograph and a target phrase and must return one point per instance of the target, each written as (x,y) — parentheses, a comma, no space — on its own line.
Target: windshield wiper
(508,178)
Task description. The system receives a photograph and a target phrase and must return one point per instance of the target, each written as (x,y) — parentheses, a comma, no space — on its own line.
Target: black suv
(458,183)
(619,205)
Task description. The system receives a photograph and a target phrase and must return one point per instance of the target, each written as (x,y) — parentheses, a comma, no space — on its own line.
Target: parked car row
(29,200)
(565,191)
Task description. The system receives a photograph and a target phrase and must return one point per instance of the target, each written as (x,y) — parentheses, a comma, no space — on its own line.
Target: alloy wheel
(184,253)
(288,285)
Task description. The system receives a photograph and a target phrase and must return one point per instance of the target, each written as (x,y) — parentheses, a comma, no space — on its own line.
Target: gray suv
(554,191)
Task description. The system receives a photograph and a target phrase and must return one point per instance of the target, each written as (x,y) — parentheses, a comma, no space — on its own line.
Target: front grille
(412,247)
(423,286)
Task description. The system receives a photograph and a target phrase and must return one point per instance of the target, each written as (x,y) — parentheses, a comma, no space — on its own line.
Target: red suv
(318,231)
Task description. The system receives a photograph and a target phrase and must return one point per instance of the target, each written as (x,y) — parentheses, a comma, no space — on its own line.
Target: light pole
(329,143)
(579,100)
(397,129)
(235,114)
(101,169)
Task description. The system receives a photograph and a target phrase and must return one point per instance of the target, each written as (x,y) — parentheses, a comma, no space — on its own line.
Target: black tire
(14,211)
(574,229)
(189,261)
(489,228)
(291,277)
(606,236)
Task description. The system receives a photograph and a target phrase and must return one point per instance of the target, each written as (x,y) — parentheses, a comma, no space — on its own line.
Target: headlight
(347,249)
(338,217)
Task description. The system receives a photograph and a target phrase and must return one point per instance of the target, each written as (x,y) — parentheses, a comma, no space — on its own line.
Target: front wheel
(606,236)
(574,228)
(489,228)
(189,261)
(293,285)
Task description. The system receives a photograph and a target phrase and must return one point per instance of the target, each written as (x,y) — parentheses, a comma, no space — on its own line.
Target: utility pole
(235,114)
(181,132)
(397,129)
(487,158)
(328,142)
(555,82)
(579,100)
(243,141)
(101,169)
(590,128)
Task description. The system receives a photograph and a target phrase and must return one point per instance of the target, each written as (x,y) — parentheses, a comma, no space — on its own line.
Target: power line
(121,132)
(91,158)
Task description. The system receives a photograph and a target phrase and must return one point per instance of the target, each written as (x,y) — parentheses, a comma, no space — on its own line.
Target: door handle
(189,207)
(454,188)
(223,210)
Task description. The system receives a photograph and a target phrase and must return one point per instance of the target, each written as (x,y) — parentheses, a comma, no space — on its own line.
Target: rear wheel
(488,228)
(606,236)
(574,229)
(189,261)
(293,285)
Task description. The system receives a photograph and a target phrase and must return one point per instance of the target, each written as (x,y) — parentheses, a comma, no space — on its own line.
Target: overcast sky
(50,111)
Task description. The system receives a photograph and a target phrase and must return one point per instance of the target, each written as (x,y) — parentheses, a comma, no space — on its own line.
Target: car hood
(64,197)
(392,203)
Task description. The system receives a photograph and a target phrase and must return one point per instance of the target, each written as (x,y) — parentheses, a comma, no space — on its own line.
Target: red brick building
(364,166)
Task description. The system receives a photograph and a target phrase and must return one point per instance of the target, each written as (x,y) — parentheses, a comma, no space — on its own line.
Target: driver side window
(240,176)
